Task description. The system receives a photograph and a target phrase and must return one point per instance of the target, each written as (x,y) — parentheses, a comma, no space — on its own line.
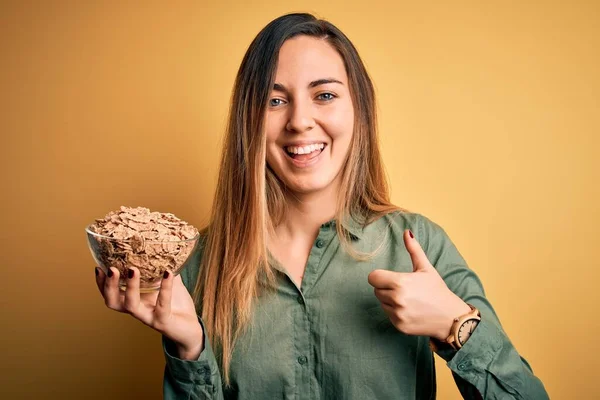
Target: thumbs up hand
(418,302)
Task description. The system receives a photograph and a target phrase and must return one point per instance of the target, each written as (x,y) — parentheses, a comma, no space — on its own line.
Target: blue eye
(326,96)
(275,102)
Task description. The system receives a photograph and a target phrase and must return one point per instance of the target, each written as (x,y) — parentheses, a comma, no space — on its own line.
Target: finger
(132,292)
(385,296)
(384,279)
(417,255)
(112,295)
(163,302)
(389,310)
(100,277)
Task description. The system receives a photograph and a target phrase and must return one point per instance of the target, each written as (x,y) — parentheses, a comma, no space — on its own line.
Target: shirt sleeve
(488,365)
(191,379)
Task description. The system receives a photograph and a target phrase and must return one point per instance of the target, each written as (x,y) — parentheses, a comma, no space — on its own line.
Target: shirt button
(320,243)
(204,370)
(462,366)
(300,300)
(302,360)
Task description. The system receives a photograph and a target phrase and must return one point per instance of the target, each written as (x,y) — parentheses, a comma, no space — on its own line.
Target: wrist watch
(463,327)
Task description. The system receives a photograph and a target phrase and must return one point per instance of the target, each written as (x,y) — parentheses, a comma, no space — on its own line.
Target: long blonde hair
(250,199)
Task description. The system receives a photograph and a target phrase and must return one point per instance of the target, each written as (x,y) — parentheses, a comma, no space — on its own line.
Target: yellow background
(489,122)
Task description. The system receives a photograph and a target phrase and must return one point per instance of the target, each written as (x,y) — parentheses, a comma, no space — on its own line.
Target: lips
(312,158)
(302,149)
(305,157)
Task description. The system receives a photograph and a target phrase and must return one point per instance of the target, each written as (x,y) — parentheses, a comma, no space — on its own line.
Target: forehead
(304,59)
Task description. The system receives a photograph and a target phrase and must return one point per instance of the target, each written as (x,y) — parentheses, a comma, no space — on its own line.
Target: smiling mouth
(305,156)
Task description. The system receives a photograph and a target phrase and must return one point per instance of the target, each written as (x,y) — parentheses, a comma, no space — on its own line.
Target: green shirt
(331,339)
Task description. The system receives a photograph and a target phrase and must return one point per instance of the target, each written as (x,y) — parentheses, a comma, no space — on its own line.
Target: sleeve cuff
(204,370)
(479,351)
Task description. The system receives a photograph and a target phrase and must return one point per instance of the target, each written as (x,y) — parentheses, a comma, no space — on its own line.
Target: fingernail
(96,271)
(411,234)
(109,273)
(166,275)
(130,273)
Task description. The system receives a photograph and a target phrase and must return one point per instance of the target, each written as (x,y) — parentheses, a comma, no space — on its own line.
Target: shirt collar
(351,225)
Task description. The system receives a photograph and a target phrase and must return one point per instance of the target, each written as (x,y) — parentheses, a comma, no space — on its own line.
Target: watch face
(466,329)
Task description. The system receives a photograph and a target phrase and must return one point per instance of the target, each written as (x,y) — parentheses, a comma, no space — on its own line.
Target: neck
(306,212)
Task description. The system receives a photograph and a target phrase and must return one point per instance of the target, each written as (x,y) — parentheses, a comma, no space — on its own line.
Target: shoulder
(397,222)
(402,220)
(432,238)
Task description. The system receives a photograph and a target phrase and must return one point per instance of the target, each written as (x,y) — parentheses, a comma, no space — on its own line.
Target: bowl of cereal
(152,242)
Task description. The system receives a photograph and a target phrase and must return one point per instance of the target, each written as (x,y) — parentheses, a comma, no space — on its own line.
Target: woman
(309,282)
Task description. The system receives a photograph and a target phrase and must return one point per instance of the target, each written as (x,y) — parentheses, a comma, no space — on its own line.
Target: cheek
(273,125)
(272,133)
(340,123)
(272,155)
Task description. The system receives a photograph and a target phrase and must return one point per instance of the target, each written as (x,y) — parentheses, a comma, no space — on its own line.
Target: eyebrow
(279,87)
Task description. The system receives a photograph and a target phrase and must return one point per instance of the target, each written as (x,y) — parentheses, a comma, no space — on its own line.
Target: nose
(300,118)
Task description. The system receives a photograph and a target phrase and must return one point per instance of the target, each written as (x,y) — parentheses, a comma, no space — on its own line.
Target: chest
(332,341)
(293,259)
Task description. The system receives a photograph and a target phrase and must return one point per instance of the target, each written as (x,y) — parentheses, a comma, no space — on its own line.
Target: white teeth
(306,149)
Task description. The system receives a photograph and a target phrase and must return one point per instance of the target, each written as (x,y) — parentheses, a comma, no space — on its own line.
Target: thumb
(417,255)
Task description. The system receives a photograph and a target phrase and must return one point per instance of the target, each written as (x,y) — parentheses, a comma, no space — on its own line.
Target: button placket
(302,344)
(314,259)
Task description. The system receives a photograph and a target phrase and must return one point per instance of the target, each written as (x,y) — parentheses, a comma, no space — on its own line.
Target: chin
(308,187)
